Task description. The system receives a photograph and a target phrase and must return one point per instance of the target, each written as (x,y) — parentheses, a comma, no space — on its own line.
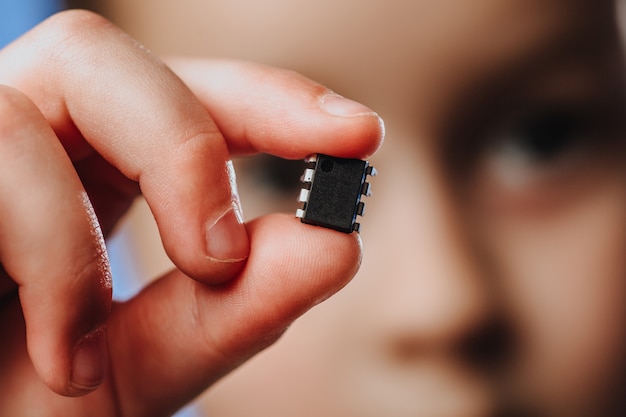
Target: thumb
(197,333)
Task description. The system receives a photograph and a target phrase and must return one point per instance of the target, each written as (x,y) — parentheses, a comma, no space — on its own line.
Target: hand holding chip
(90,119)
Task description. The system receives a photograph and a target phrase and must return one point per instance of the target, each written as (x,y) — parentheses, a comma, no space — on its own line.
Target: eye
(268,184)
(275,175)
(534,141)
(533,150)
(542,138)
(544,158)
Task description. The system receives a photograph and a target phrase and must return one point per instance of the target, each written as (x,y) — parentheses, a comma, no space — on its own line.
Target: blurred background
(494,273)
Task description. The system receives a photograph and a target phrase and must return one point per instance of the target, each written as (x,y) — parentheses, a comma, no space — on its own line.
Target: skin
(494,277)
(90,121)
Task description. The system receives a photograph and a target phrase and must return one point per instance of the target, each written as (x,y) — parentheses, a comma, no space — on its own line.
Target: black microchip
(332,190)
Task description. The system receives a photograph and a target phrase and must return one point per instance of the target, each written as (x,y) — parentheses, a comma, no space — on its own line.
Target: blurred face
(494,273)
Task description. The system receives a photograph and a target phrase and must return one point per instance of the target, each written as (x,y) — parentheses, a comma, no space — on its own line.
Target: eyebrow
(592,57)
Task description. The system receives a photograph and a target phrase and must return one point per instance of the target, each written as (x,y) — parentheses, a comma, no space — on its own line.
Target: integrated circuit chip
(332,190)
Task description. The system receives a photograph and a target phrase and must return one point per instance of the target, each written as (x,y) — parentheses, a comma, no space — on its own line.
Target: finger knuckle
(66,36)
(74,24)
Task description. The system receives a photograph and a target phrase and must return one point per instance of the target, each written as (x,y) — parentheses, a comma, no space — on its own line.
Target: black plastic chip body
(332,190)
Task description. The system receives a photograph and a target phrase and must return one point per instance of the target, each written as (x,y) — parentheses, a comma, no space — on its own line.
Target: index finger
(280,112)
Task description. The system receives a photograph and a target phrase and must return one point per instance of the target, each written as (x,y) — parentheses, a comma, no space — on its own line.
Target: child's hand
(88,117)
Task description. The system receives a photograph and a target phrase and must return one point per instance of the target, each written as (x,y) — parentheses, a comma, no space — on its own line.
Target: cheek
(563,280)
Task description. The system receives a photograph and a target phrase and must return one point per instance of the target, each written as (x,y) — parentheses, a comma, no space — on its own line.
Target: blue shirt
(17,16)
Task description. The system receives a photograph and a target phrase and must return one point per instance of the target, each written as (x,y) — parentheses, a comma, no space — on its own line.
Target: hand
(90,120)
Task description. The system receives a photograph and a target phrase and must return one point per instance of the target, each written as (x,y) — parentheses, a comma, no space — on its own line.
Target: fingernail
(227,239)
(90,361)
(337,105)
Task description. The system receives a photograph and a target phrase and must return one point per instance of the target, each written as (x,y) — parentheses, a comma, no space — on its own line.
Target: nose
(429,290)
